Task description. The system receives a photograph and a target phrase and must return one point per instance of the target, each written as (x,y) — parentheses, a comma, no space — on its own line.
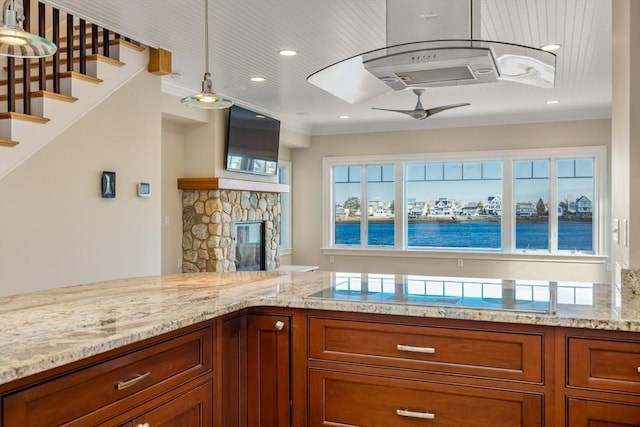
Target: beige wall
(172,169)
(192,148)
(307,180)
(56,230)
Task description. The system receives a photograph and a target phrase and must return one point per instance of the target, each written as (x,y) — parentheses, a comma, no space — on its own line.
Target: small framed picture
(108,185)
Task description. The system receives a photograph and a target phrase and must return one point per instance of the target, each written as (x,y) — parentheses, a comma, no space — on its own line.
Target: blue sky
(469,181)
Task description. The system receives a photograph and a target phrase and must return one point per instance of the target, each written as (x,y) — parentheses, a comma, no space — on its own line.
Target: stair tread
(63,74)
(92,57)
(24,117)
(43,94)
(8,143)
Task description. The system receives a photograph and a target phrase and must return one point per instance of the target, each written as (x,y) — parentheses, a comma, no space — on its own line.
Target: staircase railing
(70,34)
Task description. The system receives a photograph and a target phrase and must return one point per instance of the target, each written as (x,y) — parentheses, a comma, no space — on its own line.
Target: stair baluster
(83,46)
(55,26)
(42,32)
(26,63)
(69,42)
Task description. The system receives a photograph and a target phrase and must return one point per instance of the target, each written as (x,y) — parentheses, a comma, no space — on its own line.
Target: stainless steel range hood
(434,43)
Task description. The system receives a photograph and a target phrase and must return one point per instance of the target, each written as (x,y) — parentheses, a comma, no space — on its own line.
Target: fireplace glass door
(249,241)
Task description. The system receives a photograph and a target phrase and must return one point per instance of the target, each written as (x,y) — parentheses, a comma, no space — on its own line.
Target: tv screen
(252,142)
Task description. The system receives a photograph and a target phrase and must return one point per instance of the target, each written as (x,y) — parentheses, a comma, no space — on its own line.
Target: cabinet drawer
(138,375)
(193,408)
(501,355)
(345,399)
(604,365)
(606,414)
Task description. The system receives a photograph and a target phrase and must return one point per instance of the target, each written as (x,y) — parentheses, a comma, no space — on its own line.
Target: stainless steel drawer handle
(639,369)
(279,325)
(413,349)
(133,381)
(144,425)
(412,414)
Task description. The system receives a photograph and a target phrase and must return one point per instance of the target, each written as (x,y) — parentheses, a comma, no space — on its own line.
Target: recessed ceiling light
(344,117)
(551,47)
(287,52)
(257,79)
(553,101)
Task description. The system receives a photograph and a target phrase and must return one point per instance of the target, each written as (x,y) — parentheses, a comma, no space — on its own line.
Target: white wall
(625,109)
(307,179)
(172,169)
(56,230)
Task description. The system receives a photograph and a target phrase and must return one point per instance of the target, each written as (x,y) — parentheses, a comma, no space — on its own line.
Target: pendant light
(206,98)
(16,42)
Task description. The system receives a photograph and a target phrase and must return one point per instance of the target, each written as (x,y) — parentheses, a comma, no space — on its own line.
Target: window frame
(284,173)
(508,158)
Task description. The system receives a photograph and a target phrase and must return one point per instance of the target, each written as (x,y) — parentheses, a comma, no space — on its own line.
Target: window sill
(530,256)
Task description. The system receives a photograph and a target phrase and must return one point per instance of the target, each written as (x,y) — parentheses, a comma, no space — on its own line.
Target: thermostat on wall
(144,189)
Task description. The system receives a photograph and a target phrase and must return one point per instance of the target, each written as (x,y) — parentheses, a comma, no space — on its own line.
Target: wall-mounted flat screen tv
(253,140)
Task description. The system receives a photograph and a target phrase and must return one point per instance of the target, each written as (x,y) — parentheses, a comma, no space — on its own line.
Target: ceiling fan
(419,113)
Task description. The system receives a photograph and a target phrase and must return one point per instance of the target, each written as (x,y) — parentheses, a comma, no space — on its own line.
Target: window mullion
(508,206)
(364,208)
(553,206)
(400,208)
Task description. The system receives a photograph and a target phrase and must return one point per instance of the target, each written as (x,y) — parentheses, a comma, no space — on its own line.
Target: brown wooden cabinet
(342,398)
(368,370)
(90,393)
(589,413)
(256,367)
(234,372)
(190,409)
(269,370)
(602,387)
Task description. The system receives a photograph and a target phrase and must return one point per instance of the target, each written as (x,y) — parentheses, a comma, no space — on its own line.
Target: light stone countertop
(46,329)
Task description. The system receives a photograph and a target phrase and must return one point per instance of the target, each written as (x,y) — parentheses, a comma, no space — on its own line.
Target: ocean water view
(572,235)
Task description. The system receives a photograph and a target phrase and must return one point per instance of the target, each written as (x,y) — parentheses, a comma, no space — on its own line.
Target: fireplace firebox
(248,237)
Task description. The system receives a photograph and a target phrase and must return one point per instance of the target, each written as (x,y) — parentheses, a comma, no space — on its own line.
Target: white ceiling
(246,35)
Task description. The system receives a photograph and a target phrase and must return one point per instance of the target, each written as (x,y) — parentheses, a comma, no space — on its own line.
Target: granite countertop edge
(235,292)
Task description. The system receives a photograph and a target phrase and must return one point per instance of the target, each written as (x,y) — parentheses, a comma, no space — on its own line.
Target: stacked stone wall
(207,220)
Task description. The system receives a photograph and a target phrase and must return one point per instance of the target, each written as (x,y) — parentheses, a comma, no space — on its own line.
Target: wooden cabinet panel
(234,372)
(346,399)
(586,413)
(190,409)
(136,376)
(268,371)
(500,355)
(604,365)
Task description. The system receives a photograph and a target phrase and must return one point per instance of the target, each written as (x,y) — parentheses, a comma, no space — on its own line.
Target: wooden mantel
(230,184)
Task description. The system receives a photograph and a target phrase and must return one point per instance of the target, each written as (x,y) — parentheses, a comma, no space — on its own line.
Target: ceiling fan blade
(436,110)
(395,111)
(414,114)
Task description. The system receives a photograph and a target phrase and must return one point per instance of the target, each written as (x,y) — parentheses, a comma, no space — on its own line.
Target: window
(284,177)
(454,204)
(527,201)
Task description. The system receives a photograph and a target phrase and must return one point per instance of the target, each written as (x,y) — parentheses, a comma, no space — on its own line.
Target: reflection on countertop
(42,330)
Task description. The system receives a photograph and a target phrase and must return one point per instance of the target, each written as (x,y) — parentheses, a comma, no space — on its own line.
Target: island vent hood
(434,43)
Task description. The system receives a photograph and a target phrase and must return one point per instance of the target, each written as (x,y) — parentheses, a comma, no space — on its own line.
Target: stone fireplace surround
(208,212)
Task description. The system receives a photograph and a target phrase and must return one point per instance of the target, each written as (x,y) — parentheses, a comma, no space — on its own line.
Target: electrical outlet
(331,259)
(179,262)
(166,220)
(460,263)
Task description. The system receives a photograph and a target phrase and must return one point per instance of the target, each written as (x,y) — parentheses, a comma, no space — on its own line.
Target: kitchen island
(49,330)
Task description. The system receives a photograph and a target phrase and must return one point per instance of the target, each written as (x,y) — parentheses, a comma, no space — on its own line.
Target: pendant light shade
(16,42)
(206,99)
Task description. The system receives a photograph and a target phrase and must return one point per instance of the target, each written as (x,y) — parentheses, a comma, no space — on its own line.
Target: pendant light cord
(206,35)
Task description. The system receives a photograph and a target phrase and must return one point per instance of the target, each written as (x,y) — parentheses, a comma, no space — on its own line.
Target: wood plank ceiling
(246,35)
